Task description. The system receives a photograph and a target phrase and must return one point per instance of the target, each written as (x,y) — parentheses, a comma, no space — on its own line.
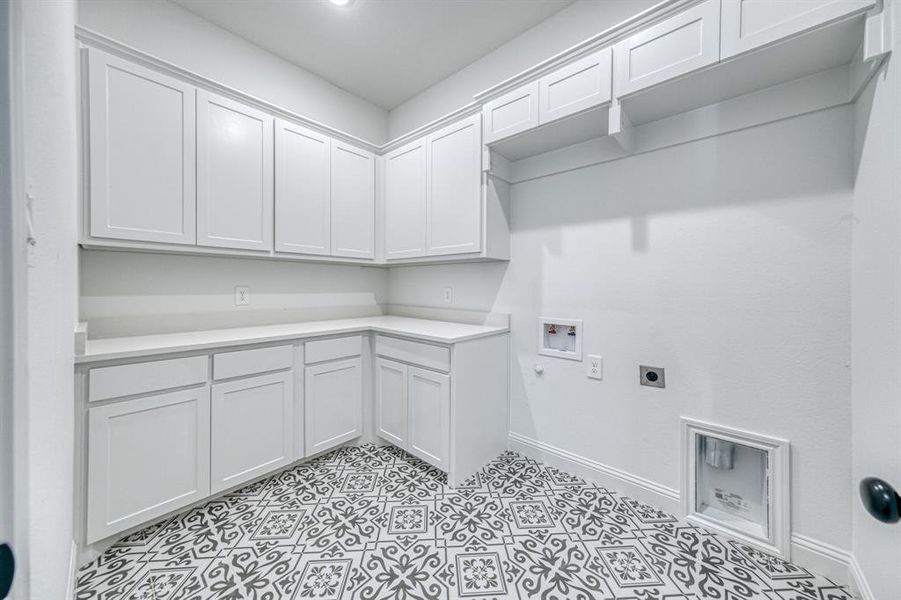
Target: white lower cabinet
(413,410)
(252,428)
(391,401)
(428,396)
(333,403)
(146,457)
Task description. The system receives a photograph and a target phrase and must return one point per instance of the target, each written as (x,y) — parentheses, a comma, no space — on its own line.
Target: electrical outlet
(448,295)
(595,367)
(242,295)
(652,376)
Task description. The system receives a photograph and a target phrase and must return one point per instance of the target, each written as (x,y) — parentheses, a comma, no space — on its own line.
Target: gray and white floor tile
(374,523)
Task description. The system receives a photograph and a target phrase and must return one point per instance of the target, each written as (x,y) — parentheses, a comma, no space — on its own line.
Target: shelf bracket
(620,127)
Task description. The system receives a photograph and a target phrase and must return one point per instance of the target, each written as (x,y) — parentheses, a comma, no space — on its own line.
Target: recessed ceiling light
(341,2)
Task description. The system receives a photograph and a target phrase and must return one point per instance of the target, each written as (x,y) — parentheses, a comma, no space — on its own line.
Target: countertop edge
(210,345)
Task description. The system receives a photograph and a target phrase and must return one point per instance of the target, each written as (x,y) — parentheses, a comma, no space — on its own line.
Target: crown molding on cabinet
(658,12)
(97,40)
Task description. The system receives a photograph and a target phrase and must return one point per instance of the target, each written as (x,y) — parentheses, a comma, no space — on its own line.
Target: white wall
(575,23)
(50,176)
(170,32)
(876,322)
(726,261)
(126,293)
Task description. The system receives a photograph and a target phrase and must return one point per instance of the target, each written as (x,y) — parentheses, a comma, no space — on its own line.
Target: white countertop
(442,332)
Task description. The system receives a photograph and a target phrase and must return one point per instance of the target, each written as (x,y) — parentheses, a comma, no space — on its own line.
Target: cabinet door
(455,188)
(429,421)
(750,24)
(302,190)
(353,201)
(683,43)
(234,174)
(512,113)
(583,84)
(142,184)
(406,191)
(146,457)
(252,428)
(391,401)
(333,396)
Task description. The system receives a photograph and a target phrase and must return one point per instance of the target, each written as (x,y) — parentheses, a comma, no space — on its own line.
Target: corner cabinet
(437,204)
(353,201)
(446,405)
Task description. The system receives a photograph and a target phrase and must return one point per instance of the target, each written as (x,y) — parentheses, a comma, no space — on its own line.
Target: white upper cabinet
(302,190)
(234,174)
(750,24)
(578,86)
(512,113)
(455,188)
(353,201)
(141,153)
(681,44)
(406,193)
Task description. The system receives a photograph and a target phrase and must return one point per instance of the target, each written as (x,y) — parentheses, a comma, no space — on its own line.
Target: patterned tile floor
(374,523)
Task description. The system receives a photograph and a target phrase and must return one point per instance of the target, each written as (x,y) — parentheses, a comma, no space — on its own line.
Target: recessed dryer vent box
(736,483)
(561,338)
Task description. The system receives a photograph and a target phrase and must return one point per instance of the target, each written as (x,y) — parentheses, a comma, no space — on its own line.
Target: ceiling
(385,51)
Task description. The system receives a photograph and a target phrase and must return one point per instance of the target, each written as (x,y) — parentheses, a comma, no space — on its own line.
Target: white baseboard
(631,485)
(822,558)
(859,584)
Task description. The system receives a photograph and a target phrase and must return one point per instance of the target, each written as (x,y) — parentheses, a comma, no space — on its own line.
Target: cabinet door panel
(142,184)
(333,396)
(455,188)
(578,86)
(302,190)
(234,174)
(683,43)
(428,396)
(391,401)
(146,457)
(353,201)
(406,191)
(750,24)
(252,428)
(512,113)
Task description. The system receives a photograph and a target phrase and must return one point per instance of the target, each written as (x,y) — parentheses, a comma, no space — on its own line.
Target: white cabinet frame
(512,113)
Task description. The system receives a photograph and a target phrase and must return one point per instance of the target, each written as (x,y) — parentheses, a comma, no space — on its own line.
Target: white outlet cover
(594,367)
(242,295)
(448,295)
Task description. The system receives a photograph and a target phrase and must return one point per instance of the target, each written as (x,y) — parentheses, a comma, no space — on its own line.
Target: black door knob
(880,499)
(7,569)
